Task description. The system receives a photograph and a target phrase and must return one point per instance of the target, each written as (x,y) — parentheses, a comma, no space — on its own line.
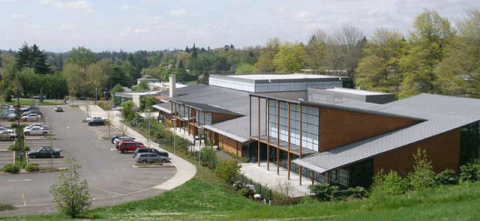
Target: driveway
(110,175)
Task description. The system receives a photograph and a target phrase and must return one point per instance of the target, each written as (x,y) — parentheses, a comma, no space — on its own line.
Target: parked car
(151,158)
(39,96)
(96,122)
(114,137)
(82,98)
(126,146)
(34,125)
(8,135)
(31,112)
(117,141)
(88,119)
(7,116)
(36,131)
(28,108)
(58,109)
(3,129)
(32,116)
(149,150)
(44,152)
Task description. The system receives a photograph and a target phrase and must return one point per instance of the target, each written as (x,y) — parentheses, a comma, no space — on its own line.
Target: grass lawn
(27,102)
(206,197)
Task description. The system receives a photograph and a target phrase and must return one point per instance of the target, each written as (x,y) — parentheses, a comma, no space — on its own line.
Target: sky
(60,25)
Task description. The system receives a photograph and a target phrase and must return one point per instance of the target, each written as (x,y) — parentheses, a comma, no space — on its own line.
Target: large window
(199,117)
(310,124)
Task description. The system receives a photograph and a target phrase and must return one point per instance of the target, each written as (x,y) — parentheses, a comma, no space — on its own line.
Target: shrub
(323,191)
(422,176)
(4,207)
(208,155)
(11,168)
(282,199)
(446,177)
(69,193)
(32,167)
(470,172)
(14,125)
(244,192)
(389,184)
(105,105)
(227,169)
(357,192)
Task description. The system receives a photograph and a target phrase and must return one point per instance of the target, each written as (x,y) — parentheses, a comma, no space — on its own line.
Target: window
(310,124)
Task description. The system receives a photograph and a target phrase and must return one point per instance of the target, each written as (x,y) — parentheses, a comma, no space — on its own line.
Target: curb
(154,166)
(41,171)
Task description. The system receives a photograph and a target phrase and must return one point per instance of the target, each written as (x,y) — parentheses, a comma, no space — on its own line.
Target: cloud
(141,30)
(16,16)
(124,7)
(151,18)
(304,14)
(72,4)
(179,12)
(282,8)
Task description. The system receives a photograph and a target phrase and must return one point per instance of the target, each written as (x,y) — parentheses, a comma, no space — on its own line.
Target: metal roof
(165,107)
(441,114)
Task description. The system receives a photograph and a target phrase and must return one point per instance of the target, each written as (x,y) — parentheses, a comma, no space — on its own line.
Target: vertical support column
(300,155)
(189,114)
(300,171)
(259,130)
(313,177)
(278,137)
(301,114)
(184,116)
(288,140)
(203,130)
(267,110)
(250,115)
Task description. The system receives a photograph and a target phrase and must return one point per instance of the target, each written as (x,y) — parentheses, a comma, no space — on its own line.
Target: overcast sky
(58,25)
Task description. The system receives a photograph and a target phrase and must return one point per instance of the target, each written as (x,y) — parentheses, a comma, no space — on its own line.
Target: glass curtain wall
(310,124)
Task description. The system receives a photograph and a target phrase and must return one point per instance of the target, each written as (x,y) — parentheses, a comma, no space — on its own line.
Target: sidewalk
(185,170)
(273,181)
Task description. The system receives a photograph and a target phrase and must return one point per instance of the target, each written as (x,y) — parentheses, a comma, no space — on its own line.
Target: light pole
(96,95)
(148,121)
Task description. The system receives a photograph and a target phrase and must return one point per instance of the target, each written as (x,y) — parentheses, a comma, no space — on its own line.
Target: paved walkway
(185,170)
(276,182)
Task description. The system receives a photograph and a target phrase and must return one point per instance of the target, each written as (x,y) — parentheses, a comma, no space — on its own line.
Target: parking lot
(110,175)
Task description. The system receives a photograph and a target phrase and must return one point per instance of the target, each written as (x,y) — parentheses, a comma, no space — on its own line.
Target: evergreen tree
(39,61)
(194,52)
(24,56)
(187,50)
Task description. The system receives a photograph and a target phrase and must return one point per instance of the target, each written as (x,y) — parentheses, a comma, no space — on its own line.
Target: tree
(316,51)
(227,169)
(96,79)
(265,61)
(127,111)
(346,49)
(33,57)
(289,58)
(194,52)
(7,67)
(69,193)
(431,35)
(379,68)
(422,176)
(81,56)
(143,86)
(244,69)
(24,56)
(459,71)
(75,76)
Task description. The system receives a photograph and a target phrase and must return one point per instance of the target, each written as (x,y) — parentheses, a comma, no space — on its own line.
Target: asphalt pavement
(109,174)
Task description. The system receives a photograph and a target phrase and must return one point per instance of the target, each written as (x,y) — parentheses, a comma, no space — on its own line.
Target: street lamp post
(148,121)
(96,95)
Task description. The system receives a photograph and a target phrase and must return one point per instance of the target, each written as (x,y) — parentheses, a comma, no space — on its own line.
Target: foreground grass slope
(198,200)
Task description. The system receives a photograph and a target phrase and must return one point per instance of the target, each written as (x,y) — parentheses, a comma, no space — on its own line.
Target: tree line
(433,58)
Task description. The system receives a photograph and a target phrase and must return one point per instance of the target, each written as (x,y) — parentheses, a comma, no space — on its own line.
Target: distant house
(148,79)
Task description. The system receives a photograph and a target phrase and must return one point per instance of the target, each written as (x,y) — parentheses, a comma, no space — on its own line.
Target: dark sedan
(44,152)
(96,122)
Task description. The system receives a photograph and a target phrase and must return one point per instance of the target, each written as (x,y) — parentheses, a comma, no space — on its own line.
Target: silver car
(151,158)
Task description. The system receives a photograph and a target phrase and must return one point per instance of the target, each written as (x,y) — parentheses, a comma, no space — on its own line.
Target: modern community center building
(317,127)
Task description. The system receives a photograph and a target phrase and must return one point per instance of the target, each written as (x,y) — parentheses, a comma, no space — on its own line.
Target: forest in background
(433,58)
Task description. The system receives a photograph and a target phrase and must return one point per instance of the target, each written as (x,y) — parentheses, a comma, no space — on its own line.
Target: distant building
(148,79)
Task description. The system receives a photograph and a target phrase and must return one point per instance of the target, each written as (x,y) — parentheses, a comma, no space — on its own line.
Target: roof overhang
(227,134)
(166,110)
(310,166)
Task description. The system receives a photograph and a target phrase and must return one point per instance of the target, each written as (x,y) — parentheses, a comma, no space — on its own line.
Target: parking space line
(24,202)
